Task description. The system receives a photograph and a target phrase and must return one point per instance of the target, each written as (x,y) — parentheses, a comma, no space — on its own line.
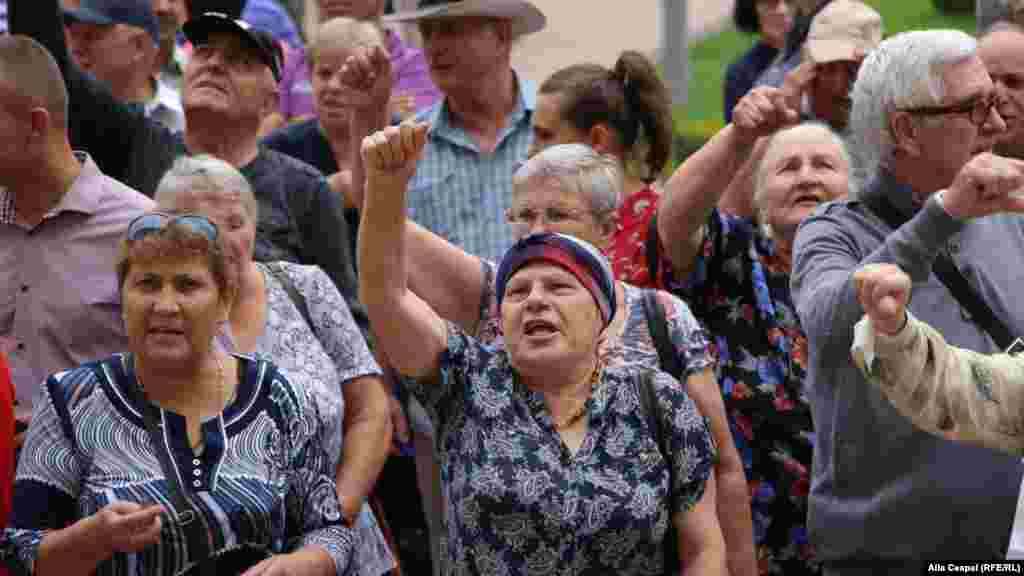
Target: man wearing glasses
(886,496)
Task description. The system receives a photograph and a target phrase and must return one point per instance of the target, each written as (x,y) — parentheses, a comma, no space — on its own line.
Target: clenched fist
(987,184)
(366,76)
(883,291)
(765,110)
(390,155)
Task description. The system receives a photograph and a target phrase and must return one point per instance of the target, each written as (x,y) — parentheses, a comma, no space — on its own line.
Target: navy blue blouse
(744,72)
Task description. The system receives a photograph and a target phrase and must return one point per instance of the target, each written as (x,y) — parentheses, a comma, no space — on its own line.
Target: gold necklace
(220,380)
(579,412)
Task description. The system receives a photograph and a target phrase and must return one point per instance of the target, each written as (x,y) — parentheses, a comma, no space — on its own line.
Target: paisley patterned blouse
(739,290)
(263,477)
(521,503)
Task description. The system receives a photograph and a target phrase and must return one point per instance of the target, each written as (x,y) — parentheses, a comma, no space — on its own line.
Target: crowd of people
(252,253)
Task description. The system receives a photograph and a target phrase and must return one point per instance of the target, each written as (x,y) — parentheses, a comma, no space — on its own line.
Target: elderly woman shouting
(548,464)
(294,316)
(165,456)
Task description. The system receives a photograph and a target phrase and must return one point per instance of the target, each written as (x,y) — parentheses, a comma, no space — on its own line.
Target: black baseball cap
(198,29)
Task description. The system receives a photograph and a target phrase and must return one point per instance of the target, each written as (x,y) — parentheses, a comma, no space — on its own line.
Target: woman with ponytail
(625,112)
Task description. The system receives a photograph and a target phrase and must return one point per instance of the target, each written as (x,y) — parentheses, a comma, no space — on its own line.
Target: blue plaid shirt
(461,194)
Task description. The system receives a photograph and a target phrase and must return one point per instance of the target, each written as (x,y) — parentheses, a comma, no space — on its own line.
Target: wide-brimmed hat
(526,18)
(199,28)
(843,30)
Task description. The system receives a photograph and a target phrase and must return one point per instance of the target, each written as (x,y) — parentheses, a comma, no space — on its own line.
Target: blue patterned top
(462,194)
(263,476)
(520,503)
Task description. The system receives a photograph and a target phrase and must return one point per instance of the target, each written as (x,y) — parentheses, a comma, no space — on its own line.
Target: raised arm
(825,255)
(697,186)
(443,275)
(408,330)
(950,392)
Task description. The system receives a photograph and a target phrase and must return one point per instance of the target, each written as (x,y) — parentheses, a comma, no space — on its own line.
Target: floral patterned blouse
(627,252)
(262,478)
(739,290)
(521,503)
(322,358)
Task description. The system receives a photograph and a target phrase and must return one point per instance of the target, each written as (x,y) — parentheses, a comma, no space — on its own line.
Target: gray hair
(760,175)
(579,169)
(903,71)
(204,172)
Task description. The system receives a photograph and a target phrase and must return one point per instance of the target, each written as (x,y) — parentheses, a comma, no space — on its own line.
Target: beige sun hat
(843,30)
(526,18)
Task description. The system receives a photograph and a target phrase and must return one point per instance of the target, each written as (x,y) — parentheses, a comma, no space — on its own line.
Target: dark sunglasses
(152,222)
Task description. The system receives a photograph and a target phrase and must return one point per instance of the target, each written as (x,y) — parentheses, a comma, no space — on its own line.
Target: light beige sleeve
(948,391)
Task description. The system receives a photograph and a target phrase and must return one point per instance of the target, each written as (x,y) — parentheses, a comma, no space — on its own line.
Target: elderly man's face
(945,142)
(803,168)
(549,319)
(1003,55)
(226,75)
(355,9)
(110,52)
(830,92)
(462,51)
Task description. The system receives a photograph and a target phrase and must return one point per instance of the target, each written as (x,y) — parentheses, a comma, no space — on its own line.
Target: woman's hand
(883,291)
(127,527)
(390,155)
(366,76)
(309,561)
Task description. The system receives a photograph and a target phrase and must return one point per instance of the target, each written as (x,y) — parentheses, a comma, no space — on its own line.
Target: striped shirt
(461,194)
(263,477)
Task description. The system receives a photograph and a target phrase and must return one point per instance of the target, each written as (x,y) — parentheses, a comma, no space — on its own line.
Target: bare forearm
(738,198)
(447,278)
(367,441)
(361,126)
(72,551)
(696,187)
(733,506)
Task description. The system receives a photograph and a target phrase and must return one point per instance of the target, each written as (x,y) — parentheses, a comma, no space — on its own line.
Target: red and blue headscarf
(580,258)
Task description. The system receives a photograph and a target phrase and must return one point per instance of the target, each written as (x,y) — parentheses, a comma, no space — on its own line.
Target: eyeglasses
(525,219)
(154,222)
(977,110)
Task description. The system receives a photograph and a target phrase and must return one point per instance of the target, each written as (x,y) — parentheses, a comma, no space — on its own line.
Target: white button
(196,462)
(197,473)
(197,483)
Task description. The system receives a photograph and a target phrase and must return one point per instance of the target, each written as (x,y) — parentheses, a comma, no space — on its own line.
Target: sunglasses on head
(147,224)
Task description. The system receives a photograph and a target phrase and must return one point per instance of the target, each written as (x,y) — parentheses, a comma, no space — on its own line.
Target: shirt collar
(164,97)
(440,115)
(77,199)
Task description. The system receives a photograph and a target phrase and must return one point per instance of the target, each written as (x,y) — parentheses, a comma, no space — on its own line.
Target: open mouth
(539,328)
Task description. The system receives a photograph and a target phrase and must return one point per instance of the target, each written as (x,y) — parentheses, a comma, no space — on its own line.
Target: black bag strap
(657,324)
(946,271)
(185,513)
(276,270)
(652,414)
(651,249)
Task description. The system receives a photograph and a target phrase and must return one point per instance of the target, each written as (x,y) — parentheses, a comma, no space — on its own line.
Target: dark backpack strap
(276,270)
(651,249)
(947,273)
(657,324)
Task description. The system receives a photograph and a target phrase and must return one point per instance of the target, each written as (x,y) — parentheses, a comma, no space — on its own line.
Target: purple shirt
(411,76)
(59,303)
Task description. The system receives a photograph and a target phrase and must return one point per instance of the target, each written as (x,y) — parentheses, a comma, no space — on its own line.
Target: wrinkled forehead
(804,142)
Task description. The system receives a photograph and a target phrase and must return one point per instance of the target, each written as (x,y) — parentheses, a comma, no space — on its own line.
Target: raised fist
(883,291)
(366,76)
(987,184)
(390,155)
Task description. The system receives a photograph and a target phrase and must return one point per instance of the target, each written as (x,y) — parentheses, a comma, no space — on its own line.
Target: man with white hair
(886,497)
(1001,48)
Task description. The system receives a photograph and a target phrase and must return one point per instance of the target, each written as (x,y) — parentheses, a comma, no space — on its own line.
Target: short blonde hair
(344,33)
